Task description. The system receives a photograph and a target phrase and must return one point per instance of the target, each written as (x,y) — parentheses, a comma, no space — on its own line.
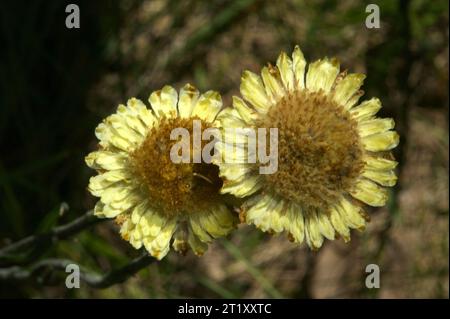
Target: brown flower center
(319,151)
(175,188)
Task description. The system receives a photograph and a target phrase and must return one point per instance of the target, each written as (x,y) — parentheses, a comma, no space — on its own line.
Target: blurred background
(56,84)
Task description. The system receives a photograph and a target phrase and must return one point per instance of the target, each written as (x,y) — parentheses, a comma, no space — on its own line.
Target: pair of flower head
(333,158)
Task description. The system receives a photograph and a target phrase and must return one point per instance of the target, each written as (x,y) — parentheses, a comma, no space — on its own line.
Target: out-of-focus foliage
(57,84)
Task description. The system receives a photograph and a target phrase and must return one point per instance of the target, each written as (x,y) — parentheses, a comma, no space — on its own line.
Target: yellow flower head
(159,203)
(333,153)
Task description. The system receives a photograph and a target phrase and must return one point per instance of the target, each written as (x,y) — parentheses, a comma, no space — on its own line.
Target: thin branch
(46,239)
(94,280)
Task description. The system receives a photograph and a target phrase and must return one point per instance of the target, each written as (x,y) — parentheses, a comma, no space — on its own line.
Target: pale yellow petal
(102,133)
(374,126)
(313,236)
(164,102)
(379,163)
(272,83)
(133,197)
(132,234)
(234,171)
(347,87)
(228,118)
(322,74)
(211,225)
(232,151)
(115,192)
(124,126)
(98,209)
(253,91)
(366,110)
(121,128)
(137,244)
(257,207)
(107,160)
(137,235)
(299,65)
(132,117)
(382,177)
(325,226)
(180,239)
(369,193)
(381,142)
(188,99)
(120,196)
(110,212)
(247,114)
(121,143)
(353,100)
(240,136)
(115,138)
(160,245)
(228,154)
(198,229)
(126,229)
(142,112)
(224,217)
(297,223)
(197,246)
(244,187)
(208,106)
(138,212)
(269,219)
(284,64)
(339,224)
(102,181)
(351,214)
(152,223)
(277,217)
